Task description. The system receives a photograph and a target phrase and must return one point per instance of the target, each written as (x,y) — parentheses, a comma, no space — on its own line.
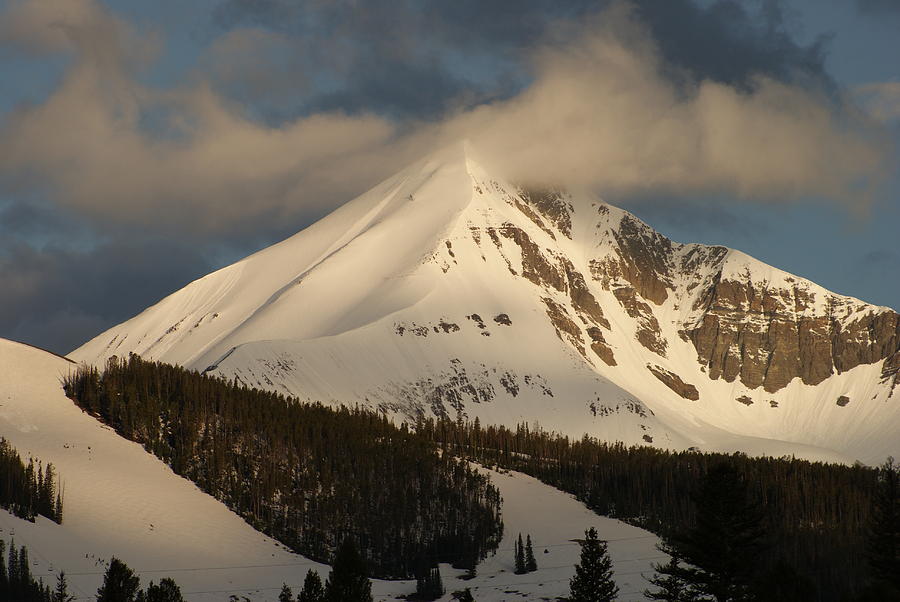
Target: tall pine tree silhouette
(670,579)
(347,581)
(313,590)
(593,580)
(61,593)
(519,557)
(884,534)
(530,560)
(120,584)
(723,547)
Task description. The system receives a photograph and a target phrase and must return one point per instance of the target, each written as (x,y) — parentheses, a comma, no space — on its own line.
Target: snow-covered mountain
(446,290)
(121,501)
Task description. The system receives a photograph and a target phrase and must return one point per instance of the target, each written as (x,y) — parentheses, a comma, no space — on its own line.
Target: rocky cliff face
(763,330)
(767,337)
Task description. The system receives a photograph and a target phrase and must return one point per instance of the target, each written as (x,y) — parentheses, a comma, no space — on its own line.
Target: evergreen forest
(304,474)
(27,490)
(16,581)
(814,517)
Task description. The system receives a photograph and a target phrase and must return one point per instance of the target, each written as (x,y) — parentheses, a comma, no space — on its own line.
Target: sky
(145,144)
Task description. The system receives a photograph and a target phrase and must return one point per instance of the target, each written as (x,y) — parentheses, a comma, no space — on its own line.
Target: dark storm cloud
(393,55)
(57,298)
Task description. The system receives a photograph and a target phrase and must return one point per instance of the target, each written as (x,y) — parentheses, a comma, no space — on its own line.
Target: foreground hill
(445,290)
(121,501)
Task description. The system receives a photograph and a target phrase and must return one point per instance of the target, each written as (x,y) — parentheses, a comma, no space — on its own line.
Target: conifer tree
(530,560)
(670,579)
(286,595)
(724,545)
(593,580)
(312,591)
(429,586)
(24,569)
(4,580)
(166,591)
(120,584)
(347,581)
(13,567)
(61,593)
(58,510)
(884,532)
(519,557)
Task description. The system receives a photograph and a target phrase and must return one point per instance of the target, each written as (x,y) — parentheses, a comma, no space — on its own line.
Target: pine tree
(724,545)
(58,510)
(166,591)
(593,580)
(4,580)
(61,593)
(24,569)
(120,584)
(13,568)
(519,557)
(670,579)
(530,560)
(286,595)
(430,586)
(884,532)
(347,581)
(312,591)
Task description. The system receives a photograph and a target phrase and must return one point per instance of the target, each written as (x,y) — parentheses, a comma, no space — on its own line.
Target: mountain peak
(448,291)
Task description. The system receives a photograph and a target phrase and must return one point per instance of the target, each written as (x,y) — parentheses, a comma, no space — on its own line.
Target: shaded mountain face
(447,291)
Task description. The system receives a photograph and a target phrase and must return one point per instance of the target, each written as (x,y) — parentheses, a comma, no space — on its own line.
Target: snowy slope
(118,499)
(121,501)
(447,291)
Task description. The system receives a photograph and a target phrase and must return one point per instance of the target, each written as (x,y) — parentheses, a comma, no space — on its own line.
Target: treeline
(16,580)
(27,490)
(304,474)
(816,515)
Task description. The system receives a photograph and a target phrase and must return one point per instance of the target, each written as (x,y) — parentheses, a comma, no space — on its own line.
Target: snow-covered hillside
(445,290)
(121,501)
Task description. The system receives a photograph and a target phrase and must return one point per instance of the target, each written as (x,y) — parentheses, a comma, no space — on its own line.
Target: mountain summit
(447,291)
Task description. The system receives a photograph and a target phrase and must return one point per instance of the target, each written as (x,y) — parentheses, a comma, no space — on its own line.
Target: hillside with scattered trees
(816,517)
(304,474)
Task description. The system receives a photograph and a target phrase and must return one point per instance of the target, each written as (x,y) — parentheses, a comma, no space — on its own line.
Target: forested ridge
(27,490)
(816,516)
(308,475)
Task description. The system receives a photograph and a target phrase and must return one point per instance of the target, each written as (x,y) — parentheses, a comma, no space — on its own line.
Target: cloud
(444,54)
(621,102)
(181,158)
(882,99)
(602,112)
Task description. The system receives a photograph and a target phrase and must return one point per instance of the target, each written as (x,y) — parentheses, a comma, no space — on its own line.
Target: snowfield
(121,501)
(441,291)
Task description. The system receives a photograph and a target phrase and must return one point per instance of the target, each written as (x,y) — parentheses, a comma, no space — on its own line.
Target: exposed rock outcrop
(553,205)
(769,336)
(600,347)
(643,260)
(674,382)
(648,331)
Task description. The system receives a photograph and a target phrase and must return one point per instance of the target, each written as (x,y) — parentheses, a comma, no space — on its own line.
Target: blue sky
(143,145)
